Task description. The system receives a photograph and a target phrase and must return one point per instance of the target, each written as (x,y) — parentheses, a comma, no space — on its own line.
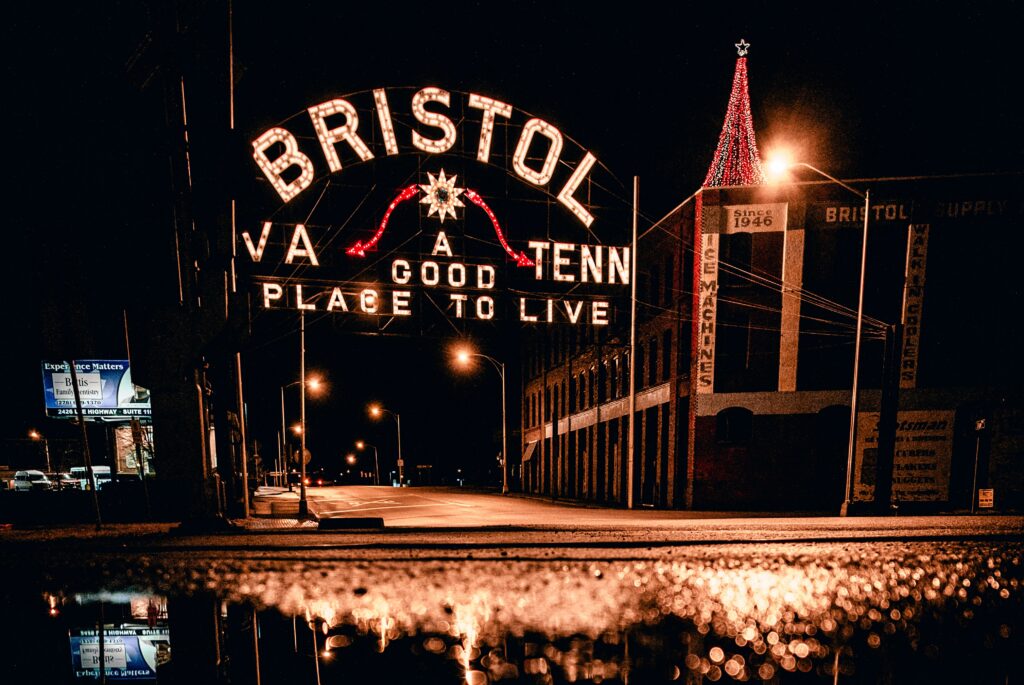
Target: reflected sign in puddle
(857,613)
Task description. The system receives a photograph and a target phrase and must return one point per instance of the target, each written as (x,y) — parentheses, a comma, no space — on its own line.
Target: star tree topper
(742,48)
(442,195)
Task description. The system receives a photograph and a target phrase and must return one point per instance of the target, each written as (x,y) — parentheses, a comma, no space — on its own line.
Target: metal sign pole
(242,432)
(85,446)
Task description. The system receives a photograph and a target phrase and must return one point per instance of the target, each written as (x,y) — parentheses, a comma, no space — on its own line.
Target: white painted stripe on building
(651,397)
(803,402)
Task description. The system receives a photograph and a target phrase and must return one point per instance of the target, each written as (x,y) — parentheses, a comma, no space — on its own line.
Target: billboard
(105,389)
(129,653)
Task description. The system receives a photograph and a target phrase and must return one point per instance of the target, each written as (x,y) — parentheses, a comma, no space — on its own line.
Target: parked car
(31,481)
(81,474)
(63,481)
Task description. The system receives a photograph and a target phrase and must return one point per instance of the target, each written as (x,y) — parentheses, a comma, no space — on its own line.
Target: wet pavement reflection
(815,612)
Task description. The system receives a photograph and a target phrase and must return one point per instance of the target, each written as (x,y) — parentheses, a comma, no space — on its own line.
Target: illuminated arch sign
(434,217)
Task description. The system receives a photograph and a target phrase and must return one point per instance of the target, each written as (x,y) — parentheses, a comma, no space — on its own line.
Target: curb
(352,522)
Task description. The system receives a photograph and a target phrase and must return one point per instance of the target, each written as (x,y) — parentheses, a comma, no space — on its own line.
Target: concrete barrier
(351,522)
(284,508)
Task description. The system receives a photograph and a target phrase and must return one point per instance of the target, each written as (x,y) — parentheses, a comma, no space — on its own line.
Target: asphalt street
(427,509)
(768,594)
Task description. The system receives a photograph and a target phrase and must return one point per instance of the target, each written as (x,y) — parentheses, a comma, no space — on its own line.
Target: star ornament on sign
(442,196)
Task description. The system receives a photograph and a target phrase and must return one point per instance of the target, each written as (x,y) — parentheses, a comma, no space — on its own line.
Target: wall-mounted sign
(924,448)
(836,215)
(913,303)
(760,218)
(707,308)
(442,239)
(105,390)
(986,498)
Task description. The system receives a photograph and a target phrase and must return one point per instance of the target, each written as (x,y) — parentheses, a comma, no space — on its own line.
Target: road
(938,597)
(425,509)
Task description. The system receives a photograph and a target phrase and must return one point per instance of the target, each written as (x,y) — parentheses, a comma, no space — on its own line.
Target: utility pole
(631,439)
(887,419)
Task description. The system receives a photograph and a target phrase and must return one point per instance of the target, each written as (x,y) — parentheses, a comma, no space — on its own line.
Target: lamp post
(36,435)
(375,411)
(462,356)
(283,455)
(360,445)
(303,505)
(315,385)
(776,167)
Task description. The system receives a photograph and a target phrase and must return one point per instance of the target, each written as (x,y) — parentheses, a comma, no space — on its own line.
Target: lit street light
(315,385)
(360,445)
(462,356)
(777,167)
(376,411)
(36,435)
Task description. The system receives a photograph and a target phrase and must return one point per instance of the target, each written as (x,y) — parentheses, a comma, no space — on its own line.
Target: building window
(734,426)
(669,277)
(547,404)
(652,363)
(640,366)
(666,354)
(736,251)
(572,394)
(625,374)
(613,392)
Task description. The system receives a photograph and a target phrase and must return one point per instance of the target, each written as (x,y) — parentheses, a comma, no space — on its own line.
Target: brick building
(742,393)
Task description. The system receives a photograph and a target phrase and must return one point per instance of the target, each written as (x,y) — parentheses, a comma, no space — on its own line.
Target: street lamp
(462,357)
(315,384)
(36,435)
(376,411)
(776,168)
(361,445)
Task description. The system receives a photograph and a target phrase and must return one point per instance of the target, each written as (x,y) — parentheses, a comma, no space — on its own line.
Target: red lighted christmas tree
(736,161)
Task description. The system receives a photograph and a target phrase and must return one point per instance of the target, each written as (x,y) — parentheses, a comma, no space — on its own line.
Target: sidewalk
(275,508)
(275,502)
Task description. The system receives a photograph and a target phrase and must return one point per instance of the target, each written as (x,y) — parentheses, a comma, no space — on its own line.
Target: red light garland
(359,249)
(737,161)
(520,259)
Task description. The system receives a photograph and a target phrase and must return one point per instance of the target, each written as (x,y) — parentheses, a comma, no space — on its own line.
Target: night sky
(866,90)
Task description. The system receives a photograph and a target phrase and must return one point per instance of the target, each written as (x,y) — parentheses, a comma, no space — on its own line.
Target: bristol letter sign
(396,202)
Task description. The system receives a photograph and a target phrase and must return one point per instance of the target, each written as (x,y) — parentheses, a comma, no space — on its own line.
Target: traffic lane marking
(400,506)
